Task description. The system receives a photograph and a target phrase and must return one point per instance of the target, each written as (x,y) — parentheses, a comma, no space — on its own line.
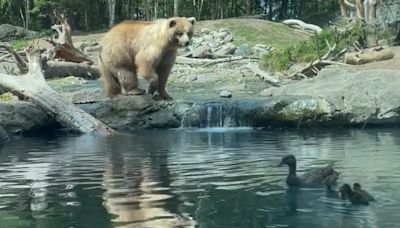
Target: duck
(318,177)
(354,197)
(357,188)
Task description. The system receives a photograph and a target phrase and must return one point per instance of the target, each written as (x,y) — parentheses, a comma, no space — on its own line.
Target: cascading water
(218,114)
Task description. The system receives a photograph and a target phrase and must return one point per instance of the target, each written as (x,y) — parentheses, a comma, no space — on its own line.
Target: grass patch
(7,97)
(256,31)
(314,48)
(19,44)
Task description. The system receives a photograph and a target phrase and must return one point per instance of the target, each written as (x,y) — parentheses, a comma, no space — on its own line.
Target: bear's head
(181,30)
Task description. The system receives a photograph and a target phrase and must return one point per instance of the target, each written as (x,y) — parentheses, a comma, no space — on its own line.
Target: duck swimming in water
(354,197)
(318,177)
(357,188)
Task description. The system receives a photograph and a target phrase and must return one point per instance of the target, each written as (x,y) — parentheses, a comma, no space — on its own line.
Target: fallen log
(262,74)
(368,55)
(58,69)
(33,85)
(298,23)
(195,61)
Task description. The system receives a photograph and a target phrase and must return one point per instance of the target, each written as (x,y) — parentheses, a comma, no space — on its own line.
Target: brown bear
(144,49)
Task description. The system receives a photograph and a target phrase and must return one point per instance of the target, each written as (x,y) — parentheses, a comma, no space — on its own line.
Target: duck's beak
(280,164)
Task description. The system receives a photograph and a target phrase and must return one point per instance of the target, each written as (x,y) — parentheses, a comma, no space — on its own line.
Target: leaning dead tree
(63,48)
(33,85)
(59,56)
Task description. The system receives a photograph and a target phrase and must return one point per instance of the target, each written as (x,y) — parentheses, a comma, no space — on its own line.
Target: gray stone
(355,96)
(227,49)
(224,30)
(208,38)
(228,38)
(214,44)
(23,116)
(225,94)
(191,78)
(243,50)
(10,32)
(201,52)
(261,49)
(222,35)
(205,31)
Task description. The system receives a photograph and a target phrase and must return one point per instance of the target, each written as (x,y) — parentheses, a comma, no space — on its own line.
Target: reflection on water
(195,178)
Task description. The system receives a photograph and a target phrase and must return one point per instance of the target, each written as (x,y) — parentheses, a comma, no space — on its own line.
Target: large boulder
(10,32)
(362,96)
(22,116)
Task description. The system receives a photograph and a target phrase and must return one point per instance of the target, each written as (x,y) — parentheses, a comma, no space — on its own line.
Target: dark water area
(218,178)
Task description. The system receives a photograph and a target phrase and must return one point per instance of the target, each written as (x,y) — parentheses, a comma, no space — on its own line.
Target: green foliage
(305,51)
(19,44)
(316,47)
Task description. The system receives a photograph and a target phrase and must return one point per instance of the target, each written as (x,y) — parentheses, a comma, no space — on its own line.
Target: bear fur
(145,49)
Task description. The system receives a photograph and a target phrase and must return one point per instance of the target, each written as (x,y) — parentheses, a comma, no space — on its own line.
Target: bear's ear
(192,20)
(171,22)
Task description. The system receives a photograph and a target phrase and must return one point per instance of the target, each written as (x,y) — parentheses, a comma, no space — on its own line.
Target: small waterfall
(217,114)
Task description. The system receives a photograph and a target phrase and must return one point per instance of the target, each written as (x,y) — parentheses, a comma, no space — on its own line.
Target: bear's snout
(185,44)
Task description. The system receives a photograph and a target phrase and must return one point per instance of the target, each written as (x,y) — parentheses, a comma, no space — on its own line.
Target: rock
(356,96)
(10,32)
(191,78)
(222,35)
(208,38)
(227,49)
(228,38)
(243,50)
(185,51)
(224,30)
(23,116)
(261,49)
(205,31)
(225,94)
(201,52)
(214,44)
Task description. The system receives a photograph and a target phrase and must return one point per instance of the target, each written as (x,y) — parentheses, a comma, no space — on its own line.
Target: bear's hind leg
(129,82)
(110,83)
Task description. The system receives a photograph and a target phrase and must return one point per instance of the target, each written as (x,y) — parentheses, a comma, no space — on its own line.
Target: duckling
(353,196)
(357,188)
(314,178)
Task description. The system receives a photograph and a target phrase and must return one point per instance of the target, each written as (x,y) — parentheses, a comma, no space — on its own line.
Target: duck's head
(289,160)
(345,189)
(356,186)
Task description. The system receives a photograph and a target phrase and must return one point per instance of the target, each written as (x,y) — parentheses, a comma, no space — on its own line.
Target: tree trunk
(371,16)
(34,86)
(360,9)
(27,14)
(176,8)
(111,12)
(248,7)
(367,56)
(343,8)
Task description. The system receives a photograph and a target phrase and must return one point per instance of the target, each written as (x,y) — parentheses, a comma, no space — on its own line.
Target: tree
(176,7)
(111,12)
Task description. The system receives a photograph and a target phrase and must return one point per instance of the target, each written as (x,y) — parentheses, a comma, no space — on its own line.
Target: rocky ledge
(337,97)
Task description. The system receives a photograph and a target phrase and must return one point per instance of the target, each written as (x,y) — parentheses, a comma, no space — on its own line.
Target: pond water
(209,177)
